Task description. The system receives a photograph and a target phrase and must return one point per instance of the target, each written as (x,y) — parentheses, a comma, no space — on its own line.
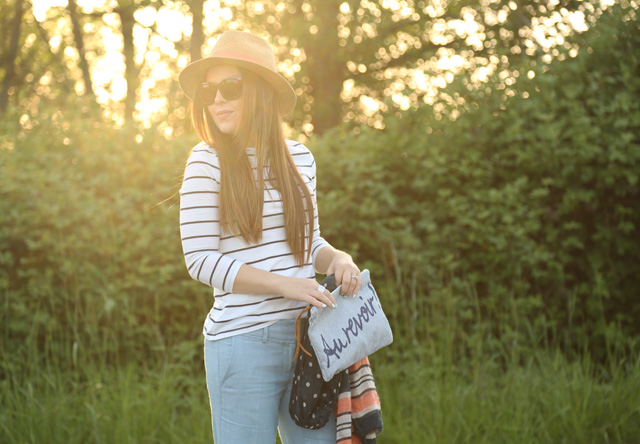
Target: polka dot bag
(312,400)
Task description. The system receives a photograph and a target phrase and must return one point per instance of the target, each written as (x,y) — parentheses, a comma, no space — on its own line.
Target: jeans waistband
(281,331)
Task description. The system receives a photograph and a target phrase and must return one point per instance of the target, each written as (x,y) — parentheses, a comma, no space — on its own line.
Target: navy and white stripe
(214,258)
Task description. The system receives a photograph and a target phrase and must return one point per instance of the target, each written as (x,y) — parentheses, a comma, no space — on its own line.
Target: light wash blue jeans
(249,379)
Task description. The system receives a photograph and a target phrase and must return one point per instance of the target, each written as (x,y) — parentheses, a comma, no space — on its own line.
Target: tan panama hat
(245,50)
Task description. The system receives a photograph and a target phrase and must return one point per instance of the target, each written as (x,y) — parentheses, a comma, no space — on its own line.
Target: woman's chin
(225,128)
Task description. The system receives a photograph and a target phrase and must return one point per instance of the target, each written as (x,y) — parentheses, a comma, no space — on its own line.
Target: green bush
(521,216)
(513,226)
(91,261)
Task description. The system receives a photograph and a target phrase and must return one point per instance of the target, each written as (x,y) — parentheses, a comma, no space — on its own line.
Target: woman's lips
(223,114)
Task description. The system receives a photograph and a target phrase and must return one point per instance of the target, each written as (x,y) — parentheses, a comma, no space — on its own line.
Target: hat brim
(194,74)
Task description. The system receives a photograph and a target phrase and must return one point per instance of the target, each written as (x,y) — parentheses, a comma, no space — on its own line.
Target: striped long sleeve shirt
(214,257)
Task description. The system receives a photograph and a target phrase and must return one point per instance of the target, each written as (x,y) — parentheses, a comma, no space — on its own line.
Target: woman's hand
(306,290)
(346,272)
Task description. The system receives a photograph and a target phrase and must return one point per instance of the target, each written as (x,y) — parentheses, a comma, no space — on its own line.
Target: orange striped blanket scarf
(358,413)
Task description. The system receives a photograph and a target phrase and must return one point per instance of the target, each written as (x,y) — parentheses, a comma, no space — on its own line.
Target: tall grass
(448,379)
(431,391)
(545,400)
(55,400)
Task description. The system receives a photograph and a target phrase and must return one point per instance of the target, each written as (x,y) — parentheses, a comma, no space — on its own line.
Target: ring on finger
(321,289)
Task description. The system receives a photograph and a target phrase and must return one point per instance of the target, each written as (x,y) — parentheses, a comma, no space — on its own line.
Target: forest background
(480,158)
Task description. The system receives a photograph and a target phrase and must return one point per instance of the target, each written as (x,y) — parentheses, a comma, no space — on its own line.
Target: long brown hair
(242,196)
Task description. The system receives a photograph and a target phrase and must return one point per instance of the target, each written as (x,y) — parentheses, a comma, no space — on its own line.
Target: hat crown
(245,46)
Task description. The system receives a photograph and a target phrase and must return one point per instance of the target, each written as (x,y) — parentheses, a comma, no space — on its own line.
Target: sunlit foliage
(355,60)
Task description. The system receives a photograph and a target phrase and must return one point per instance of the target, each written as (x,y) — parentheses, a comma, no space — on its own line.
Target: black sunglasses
(230,88)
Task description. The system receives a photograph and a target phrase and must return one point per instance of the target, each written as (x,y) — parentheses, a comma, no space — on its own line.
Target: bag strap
(329,283)
(298,327)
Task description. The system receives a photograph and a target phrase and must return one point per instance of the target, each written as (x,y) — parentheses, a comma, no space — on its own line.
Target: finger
(324,299)
(338,279)
(317,297)
(346,283)
(324,295)
(358,284)
(315,302)
(354,277)
(329,296)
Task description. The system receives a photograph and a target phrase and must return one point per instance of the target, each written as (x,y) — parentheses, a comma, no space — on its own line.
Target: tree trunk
(127,21)
(79,41)
(325,69)
(10,60)
(197,34)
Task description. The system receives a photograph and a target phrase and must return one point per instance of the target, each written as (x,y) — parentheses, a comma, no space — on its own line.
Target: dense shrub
(89,260)
(524,210)
(517,221)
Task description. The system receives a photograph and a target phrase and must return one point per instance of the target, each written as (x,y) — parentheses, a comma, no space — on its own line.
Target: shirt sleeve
(200,224)
(317,243)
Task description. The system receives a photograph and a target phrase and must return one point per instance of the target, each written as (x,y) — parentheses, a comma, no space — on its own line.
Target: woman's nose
(219,97)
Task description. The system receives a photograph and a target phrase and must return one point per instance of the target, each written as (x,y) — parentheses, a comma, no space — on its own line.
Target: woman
(249,228)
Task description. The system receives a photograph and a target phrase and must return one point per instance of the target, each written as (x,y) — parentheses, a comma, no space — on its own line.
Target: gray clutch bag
(344,336)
